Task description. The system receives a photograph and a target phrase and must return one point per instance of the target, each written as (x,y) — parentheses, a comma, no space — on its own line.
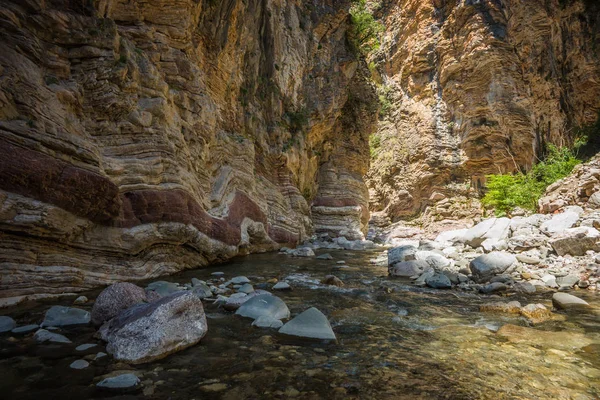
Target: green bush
(364,31)
(505,192)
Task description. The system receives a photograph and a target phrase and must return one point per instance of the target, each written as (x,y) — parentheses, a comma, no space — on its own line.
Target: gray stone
(303,252)
(43,335)
(63,316)
(507,279)
(84,347)
(549,280)
(147,332)
(124,381)
(576,241)
(451,237)
(218,273)
(7,324)
(421,280)
(488,265)
(246,288)
(525,259)
(202,291)
(264,305)
(594,200)
(438,281)
(493,288)
(79,364)
(325,256)
(22,330)
(400,254)
(114,299)
(567,281)
(267,322)
(408,268)
(493,228)
(239,280)
(435,260)
(80,300)
(100,355)
(282,286)
(197,282)
(163,288)
(524,287)
(309,324)
(236,300)
(559,222)
(565,301)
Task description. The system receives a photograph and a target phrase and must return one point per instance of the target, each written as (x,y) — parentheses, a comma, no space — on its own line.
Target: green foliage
(374,144)
(296,120)
(364,32)
(505,192)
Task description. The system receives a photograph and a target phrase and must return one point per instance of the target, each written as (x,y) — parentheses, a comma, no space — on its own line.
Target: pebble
(282,286)
(80,300)
(239,280)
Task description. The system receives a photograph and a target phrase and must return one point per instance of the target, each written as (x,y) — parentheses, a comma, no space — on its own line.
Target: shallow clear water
(394,341)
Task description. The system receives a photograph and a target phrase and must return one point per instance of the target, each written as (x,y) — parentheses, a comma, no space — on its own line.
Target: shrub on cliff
(364,31)
(505,192)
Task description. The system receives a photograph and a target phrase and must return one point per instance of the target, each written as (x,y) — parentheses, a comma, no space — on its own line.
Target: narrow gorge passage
(274,199)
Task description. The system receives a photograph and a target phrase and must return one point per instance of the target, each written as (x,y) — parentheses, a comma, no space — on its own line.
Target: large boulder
(401,253)
(487,265)
(64,316)
(560,222)
(576,241)
(147,332)
(114,299)
(264,305)
(493,229)
(448,238)
(407,269)
(312,323)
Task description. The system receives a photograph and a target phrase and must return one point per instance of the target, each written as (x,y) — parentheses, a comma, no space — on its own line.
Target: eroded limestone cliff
(475,87)
(142,138)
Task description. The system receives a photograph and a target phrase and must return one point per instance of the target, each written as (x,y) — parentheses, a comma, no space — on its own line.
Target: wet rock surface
(114,299)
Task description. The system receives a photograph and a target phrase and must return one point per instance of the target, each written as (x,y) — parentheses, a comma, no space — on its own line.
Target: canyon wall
(474,87)
(142,138)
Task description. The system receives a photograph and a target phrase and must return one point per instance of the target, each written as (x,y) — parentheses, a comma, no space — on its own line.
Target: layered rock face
(142,138)
(474,88)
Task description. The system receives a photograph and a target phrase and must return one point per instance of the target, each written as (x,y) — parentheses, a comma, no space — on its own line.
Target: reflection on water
(394,341)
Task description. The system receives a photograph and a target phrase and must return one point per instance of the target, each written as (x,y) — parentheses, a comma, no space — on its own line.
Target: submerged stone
(565,301)
(124,381)
(22,330)
(7,324)
(43,335)
(64,316)
(264,305)
(79,364)
(312,323)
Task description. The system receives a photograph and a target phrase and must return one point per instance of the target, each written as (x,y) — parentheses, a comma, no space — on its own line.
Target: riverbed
(394,341)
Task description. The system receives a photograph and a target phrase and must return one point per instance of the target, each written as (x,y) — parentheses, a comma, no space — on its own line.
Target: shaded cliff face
(477,87)
(143,138)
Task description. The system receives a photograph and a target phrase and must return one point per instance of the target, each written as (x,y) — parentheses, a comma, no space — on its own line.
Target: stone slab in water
(401,253)
(124,381)
(312,323)
(281,286)
(79,364)
(64,316)
(43,335)
(439,281)
(163,288)
(22,330)
(84,347)
(325,256)
(7,324)
(264,305)
(246,288)
(565,301)
(239,280)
